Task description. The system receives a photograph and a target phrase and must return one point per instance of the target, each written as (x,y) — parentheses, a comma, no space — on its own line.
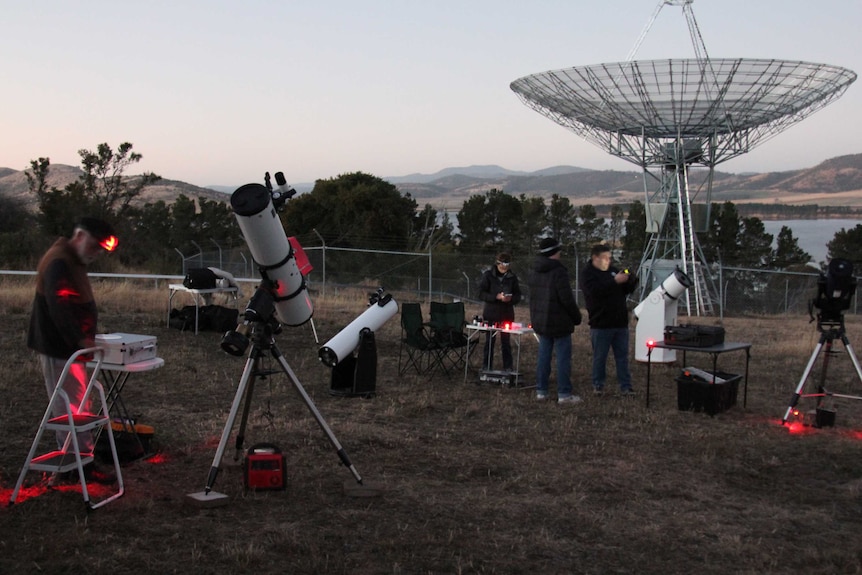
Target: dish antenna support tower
(677,119)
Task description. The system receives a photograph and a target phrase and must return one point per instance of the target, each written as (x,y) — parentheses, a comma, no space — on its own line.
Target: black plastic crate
(695,394)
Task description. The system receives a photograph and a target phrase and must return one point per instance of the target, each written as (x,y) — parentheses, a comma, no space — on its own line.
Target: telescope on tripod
(281,299)
(835,290)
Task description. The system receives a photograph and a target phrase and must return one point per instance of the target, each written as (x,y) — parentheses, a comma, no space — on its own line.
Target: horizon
(222,93)
(451,171)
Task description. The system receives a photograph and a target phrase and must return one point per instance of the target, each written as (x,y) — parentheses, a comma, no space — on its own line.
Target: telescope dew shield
(345,341)
(675,284)
(272,252)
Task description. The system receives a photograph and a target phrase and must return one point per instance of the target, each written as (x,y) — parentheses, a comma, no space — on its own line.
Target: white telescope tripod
(262,340)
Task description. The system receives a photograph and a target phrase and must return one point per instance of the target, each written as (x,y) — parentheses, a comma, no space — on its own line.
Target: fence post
(323,251)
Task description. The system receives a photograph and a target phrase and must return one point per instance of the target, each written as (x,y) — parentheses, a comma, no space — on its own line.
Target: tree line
(358,210)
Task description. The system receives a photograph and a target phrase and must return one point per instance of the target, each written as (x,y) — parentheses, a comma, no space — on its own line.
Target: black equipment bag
(200,278)
(210,318)
(217,318)
(694,335)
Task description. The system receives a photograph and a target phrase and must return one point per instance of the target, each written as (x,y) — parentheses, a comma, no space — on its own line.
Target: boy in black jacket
(605,290)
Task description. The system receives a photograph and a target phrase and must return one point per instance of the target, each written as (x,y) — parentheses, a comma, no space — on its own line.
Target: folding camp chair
(417,350)
(447,331)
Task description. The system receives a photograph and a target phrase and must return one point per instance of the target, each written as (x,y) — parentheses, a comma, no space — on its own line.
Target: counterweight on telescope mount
(670,116)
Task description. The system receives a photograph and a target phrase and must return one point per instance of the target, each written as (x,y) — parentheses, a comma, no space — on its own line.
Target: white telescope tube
(272,252)
(345,341)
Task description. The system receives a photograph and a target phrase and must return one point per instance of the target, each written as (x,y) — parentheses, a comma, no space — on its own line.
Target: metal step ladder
(706,307)
(70,457)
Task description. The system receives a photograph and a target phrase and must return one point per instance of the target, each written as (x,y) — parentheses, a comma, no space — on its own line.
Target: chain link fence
(438,275)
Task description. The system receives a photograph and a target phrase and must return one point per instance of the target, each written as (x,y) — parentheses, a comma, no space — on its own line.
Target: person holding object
(554,313)
(500,291)
(605,290)
(64,317)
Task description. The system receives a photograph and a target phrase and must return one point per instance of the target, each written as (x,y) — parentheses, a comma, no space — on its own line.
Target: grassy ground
(476,478)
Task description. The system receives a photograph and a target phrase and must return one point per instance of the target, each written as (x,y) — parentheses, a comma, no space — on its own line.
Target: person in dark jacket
(554,313)
(605,289)
(64,317)
(500,291)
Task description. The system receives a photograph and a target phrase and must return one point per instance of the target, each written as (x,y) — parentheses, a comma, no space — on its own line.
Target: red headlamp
(109,243)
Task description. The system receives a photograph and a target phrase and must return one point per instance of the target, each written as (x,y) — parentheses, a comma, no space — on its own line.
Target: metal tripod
(262,341)
(830,331)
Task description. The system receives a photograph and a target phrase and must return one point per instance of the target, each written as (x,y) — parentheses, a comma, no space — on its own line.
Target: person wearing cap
(605,290)
(500,291)
(64,317)
(554,313)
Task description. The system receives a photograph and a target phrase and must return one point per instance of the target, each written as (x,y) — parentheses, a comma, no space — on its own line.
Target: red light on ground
(157,459)
(110,243)
(799,428)
(29,492)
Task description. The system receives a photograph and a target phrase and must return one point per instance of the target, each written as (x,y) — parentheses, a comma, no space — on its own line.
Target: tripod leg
(852,355)
(345,460)
(240,434)
(247,375)
(821,388)
(802,381)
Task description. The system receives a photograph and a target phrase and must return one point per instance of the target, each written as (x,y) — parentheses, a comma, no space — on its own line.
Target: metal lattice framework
(668,116)
(727,106)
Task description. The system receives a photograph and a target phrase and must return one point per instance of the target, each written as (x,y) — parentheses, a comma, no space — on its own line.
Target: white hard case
(124,348)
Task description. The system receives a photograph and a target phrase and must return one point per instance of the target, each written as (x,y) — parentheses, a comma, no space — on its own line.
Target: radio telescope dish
(671,116)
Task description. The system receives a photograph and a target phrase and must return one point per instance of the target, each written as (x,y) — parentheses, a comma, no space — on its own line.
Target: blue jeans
(603,340)
(562,347)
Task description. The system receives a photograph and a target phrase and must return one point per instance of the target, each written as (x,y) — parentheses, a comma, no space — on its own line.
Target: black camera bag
(694,335)
(200,278)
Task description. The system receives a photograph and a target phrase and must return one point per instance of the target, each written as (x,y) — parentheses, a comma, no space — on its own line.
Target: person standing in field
(605,290)
(500,291)
(554,313)
(64,318)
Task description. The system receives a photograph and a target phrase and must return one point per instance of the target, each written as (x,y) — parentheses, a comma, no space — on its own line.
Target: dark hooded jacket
(553,309)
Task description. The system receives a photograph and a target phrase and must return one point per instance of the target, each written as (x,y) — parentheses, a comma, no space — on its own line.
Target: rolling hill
(833,182)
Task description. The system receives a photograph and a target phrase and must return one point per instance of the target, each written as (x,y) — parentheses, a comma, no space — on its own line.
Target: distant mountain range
(834,182)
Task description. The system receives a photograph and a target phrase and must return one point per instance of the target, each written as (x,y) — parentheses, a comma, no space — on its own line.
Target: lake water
(811,235)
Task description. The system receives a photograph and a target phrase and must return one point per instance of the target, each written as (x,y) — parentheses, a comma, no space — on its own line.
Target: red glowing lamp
(110,243)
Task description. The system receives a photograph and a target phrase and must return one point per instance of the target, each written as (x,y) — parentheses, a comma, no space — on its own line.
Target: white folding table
(474,330)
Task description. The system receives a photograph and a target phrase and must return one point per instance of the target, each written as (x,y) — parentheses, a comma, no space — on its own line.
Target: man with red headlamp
(64,317)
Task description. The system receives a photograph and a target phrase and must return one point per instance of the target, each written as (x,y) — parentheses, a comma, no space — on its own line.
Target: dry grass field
(475,478)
